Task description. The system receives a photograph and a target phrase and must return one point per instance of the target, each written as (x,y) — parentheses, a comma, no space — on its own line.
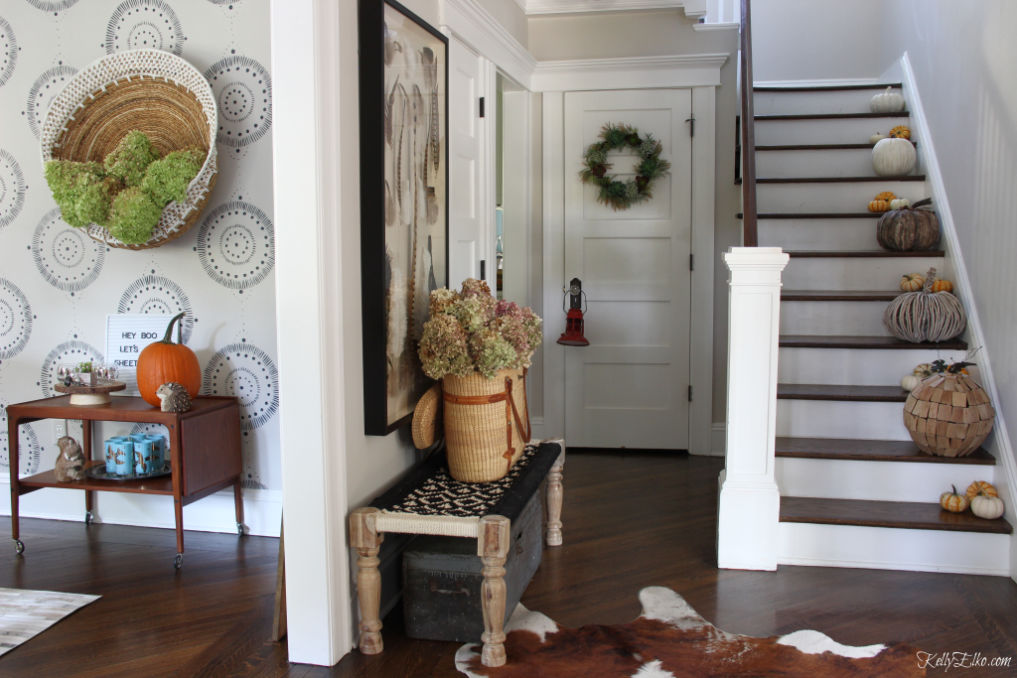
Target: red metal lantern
(573,334)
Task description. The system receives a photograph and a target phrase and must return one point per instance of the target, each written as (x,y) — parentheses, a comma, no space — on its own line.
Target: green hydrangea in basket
(480,349)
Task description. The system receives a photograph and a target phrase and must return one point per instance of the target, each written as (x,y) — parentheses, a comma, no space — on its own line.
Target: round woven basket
(948,415)
(149,90)
(426,418)
(487,424)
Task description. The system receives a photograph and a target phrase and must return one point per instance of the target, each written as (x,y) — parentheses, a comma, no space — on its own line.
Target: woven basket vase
(948,415)
(149,90)
(487,424)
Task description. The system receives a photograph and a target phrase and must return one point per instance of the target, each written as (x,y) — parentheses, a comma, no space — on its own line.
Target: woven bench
(429,501)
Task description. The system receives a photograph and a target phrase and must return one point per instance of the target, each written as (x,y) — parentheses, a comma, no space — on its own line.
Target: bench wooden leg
(364,537)
(555,495)
(492,547)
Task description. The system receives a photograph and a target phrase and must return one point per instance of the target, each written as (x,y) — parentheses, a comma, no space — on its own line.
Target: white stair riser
(835,163)
(868,367)
(818,234)
(834,101)
(885,548)
(853,273)
(833,317)
(823,130)
(831,197)
(839,419)
(875,480)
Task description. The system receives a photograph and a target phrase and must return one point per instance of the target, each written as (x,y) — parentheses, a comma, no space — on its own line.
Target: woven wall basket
(149,90)
(487,424)
(948,415)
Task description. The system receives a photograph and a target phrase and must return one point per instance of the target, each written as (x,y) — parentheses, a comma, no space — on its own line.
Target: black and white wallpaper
(57,285)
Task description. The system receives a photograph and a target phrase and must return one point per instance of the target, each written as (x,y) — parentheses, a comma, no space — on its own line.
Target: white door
(469,218)
(630,386)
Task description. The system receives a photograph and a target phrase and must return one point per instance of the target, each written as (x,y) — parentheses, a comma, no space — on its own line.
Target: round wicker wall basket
(149,90)
(948,415)
(487,424)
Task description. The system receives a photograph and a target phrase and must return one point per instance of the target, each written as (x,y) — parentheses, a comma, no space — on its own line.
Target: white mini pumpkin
(876,138)
(909,382)
(893,157)
(988,507)
(899,203)
(887,102)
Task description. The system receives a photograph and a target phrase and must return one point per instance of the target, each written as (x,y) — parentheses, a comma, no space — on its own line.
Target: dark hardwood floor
(632,519)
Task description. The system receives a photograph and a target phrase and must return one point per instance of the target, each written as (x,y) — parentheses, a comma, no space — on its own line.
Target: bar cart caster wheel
(241,529)
(178,561)
(19,546)
(89,518)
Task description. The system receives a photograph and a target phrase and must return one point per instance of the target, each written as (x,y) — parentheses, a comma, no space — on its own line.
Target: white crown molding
(539,7)
(676,70)
(475,26)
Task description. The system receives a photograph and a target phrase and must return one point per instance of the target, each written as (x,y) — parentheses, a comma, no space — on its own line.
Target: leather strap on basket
(510,413)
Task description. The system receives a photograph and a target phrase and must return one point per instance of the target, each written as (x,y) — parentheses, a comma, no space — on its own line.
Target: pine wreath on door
(629,387)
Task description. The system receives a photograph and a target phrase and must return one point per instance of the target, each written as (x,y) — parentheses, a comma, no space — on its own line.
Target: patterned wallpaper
(57,285)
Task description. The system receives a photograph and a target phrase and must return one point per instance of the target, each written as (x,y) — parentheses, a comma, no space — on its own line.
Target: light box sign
(126,335)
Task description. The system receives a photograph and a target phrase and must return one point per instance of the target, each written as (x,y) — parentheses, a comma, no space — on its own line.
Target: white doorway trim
(702,74)
(306,64)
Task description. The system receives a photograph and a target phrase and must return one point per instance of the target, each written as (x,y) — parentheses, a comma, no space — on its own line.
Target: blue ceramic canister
(159,448)
(123,454)
(110,454)
(143,465)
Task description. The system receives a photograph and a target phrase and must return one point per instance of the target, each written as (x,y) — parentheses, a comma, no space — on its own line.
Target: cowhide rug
(671,640)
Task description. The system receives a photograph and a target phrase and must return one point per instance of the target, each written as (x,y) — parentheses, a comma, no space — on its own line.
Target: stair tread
(870,450)
(899,514)
(838,180)
(863,342)
(828,116)
(816,215)
(818,147)
(838,295)
(858,254)
(842,392)
(824,88)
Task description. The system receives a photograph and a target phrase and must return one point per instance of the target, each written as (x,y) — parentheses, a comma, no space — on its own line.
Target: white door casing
(471,177)
(630,387)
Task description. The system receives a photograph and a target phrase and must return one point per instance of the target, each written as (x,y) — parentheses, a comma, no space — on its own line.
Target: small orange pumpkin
(912,282)
(879,205)
(900,132)
(164,361)
(953,502)
(941,285)
(885,195)
(981,487)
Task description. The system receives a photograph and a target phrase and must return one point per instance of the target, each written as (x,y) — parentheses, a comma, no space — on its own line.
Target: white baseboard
(718,439)
(215,513)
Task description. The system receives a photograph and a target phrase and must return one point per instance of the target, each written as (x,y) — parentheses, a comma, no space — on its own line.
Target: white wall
(71,287)
(823,39)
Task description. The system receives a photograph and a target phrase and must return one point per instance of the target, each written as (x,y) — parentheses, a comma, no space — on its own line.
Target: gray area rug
(24,614)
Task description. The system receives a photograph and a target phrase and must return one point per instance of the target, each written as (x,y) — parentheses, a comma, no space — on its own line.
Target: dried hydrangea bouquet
(480,349)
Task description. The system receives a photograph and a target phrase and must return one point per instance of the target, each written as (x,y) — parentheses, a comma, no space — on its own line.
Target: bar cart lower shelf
(204,453)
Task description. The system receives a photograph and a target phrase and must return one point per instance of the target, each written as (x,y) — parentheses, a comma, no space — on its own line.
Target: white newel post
(749,499)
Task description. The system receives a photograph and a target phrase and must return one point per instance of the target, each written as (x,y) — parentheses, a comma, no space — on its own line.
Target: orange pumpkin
(900,132)
(879,205)
(941,285)
(885,195)
(912,282)
(981,487)
(164,361)
(954,502)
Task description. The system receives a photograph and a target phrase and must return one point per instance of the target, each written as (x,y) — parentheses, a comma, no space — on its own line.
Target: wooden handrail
(750,237)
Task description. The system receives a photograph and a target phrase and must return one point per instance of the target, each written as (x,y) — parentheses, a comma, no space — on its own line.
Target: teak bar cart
(204,453)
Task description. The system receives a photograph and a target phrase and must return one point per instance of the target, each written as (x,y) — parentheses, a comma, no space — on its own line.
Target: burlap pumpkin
(908,230)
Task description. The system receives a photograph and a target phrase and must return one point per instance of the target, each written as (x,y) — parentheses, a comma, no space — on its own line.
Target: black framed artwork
(404,201)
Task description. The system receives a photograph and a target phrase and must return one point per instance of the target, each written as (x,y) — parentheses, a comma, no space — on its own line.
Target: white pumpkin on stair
(893,157)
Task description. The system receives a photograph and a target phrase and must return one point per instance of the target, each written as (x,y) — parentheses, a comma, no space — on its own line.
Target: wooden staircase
(855,492)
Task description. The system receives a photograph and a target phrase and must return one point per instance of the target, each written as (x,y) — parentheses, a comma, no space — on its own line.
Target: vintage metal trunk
(442,578)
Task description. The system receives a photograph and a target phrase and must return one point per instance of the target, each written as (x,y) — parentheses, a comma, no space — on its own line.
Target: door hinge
(481,107)
(692,262)
(690,393)
(483,269)
(692,125)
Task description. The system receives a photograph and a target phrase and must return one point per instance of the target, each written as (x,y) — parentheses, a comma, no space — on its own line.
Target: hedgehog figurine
(173,397)
(70,463)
